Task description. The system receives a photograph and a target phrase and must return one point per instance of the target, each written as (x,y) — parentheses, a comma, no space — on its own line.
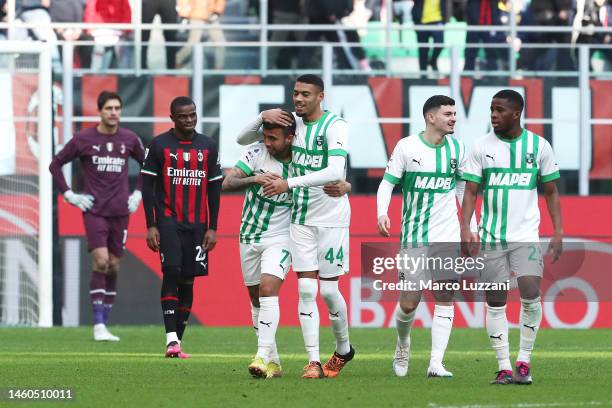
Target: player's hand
(263,178)
(384,225)
(275,187)
(134,201)
(337,188)
(277,117)
(555,247)
(83,201)
(210,240)
(153,239)
(469,242)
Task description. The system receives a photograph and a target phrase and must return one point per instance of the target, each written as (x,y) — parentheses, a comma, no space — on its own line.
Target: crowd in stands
(104,48)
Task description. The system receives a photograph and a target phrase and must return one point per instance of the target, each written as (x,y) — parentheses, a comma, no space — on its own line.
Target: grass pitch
(571,368)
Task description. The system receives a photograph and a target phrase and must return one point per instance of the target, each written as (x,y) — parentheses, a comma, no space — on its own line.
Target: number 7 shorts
(270,256)
(323,249)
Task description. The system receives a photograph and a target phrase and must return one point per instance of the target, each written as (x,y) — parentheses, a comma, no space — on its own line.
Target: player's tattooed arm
(337,188)
(551,194)
(237,179)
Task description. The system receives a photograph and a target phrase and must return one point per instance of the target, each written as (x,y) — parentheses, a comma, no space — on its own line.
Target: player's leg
(275,263)
(404,317)
(333,251)
(527,260)
(171,259)
(117,237)
(497,269)
(185,301)
(441,326)
(303,248)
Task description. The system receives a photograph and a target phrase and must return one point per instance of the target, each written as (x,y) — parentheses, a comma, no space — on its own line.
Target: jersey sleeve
(67,154)
(214,164)
(462,159)
(337,138)
(249,158)
(138,151)
(152,160)
(472,170)
(396,165)
(549,169)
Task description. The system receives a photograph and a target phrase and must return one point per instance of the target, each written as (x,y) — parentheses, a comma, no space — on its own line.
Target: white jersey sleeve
(249,160)
(549,169)
(251,132)
(337,139)
(396,164)
(472,170)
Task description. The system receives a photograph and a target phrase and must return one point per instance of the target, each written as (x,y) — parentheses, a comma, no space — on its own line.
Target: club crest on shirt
(453,164)
(529,158)
(122,148)
(109,146)
(200,156)
(186,156)
(319,141)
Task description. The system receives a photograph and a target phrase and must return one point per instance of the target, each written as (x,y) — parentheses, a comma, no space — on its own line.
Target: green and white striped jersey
(508,171)
(263,217)
(313,144)
(427,175)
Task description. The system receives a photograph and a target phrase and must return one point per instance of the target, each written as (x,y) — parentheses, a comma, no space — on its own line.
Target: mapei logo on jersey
(433,183)
(109,146)
(311,160)
(510,179)
(529,158)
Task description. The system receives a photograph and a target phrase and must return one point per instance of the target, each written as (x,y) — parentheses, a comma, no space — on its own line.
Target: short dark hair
(311,79)
(513,97)
(287,130)
(180,101)
(436,101)
(106,96)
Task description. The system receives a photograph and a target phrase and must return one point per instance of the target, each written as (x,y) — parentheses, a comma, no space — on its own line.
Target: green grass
(570,368)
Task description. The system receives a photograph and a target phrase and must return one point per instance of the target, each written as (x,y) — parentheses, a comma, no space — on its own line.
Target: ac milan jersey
(104,163)
(183,169)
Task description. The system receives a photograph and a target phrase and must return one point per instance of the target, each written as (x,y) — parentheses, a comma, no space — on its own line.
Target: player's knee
(113,267)
(408,306)
(170,280)
(267,289)
(101,263)
(329,292)
(307,289)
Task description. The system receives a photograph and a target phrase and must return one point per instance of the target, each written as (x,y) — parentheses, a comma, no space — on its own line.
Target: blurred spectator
(36,12)
(547,13)
(331,12)
(402,11)
(167,11)
(107,51)
(605,16)
(71,11)
(587,17)
(286,12)
(484,12)
(432,13)
(201,13)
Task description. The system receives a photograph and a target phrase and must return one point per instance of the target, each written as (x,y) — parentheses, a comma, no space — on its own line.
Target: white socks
(497,329)
(531,317)
(337,314)
(255,318)
(440,332)
(269,316)
(170,337)
(309,316)
(403,324)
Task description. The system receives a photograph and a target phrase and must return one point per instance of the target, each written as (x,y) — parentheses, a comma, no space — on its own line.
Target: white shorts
(323,249)
(517,260)
(271,257)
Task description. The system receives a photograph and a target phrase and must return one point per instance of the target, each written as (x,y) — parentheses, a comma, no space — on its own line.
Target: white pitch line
(528,405)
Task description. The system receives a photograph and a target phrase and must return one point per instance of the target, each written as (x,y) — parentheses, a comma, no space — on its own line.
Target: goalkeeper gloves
(83,201)
(134,201)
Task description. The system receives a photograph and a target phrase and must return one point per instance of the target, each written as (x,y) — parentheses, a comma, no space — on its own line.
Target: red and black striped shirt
(183,170)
